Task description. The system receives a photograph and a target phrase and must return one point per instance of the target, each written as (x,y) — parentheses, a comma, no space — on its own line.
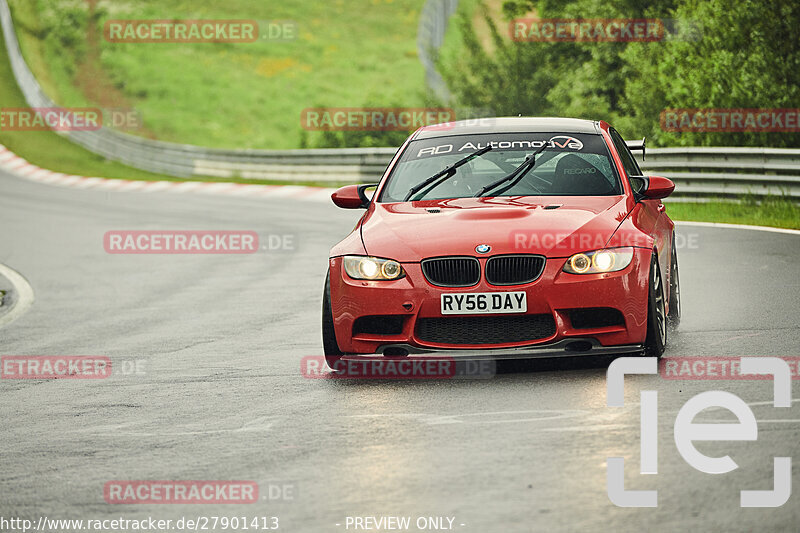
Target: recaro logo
(580,170)
(563,141)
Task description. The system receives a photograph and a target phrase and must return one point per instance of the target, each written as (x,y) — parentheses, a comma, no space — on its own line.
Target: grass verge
(777,212)
(228,95)
(51,151)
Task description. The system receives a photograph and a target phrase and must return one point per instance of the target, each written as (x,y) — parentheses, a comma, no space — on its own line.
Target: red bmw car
(513,238)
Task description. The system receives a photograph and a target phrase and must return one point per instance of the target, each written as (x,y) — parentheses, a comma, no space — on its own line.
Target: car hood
(555,226)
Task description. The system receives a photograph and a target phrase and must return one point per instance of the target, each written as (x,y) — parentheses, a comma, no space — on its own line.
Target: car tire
(329,345)
(656,312)
(674,316)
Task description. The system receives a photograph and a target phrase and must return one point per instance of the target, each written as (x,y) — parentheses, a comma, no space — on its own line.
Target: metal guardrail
(698,172)
(727,172)
(430,36)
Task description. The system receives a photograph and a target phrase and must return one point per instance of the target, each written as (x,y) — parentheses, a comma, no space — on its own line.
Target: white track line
(88,182)
(16,164)
(24,293)
(153,186)
(132,185)
(738,226)
(216,188)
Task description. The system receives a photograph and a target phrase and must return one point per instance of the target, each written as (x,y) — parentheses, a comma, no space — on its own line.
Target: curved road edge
(18,167)
(22,295)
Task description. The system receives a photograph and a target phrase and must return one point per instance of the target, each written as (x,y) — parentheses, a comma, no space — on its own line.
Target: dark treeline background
(727,54)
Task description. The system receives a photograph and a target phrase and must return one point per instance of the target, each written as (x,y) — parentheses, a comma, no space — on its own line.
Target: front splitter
(562,348)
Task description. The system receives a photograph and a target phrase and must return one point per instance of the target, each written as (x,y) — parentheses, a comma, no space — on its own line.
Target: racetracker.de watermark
(54,367)
(51,118)
(374,118)
(180,492)
(532,240)
(785,120)
(716,368)
(181,242)
(687,431)
(378,367)
(199,31)
(68,118)
(587,30)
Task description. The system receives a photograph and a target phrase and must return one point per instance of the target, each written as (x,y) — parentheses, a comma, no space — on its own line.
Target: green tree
(747,56)
(742,55)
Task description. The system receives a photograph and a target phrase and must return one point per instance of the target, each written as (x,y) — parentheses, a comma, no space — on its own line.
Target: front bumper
(554,293)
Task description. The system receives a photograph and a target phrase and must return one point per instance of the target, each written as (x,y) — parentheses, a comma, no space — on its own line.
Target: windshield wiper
(517,173)
(445,173)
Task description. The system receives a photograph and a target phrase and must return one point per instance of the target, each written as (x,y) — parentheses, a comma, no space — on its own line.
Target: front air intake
(514,269)
(485,329)
(379,325)
(595,317)
(452,271)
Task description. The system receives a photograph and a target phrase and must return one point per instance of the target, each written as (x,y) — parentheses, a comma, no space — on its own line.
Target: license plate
(471,303)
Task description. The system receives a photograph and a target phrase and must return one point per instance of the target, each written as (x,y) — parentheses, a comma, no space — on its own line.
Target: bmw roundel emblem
(482,248)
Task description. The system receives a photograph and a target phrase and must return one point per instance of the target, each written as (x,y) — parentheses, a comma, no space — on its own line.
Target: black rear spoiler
(634,146)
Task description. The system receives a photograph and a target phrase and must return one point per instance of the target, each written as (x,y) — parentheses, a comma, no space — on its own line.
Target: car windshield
(571,165)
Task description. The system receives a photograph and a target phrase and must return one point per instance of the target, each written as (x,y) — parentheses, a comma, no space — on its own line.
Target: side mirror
(653,187)
(352,196)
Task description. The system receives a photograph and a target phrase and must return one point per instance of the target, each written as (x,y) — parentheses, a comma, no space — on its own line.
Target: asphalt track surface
(219,394)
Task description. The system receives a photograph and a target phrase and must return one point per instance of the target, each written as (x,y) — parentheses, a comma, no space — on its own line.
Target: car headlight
(599,261)
(363,267)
